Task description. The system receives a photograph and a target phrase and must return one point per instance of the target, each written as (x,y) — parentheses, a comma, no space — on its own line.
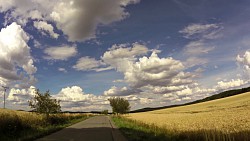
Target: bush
(56,119)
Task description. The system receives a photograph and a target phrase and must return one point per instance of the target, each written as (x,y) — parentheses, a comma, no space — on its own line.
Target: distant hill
(213,97)
(222,95)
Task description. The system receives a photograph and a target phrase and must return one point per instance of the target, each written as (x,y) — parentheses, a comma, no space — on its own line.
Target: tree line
(43,103)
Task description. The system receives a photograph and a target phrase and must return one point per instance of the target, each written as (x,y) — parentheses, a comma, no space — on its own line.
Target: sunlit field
(229,114)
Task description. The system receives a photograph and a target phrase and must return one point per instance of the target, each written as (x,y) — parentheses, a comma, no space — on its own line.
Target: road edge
(116,133)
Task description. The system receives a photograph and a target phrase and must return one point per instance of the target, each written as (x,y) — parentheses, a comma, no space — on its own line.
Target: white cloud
(123,51)
(60,53)
(116,56)
(87,64)
(74,99)
(78,19)
(202,31)
(35,14)
(156,71)
(18,98)
(145,100)
(203,91)
(195,61)
(62,70)
(163,80)
(185,92)
(37,44)
(188,93)
(118,81)
(121,56)
(15,56)
(166,89)
(224,85)
(196,48)
(22,11)
(73,93)
(244,61)
(186,98)
(6,5)
(127,2)
(114,91)
(151,73)
(42,25)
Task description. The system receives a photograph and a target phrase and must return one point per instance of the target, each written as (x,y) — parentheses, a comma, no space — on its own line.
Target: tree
(44,104)
(119,105)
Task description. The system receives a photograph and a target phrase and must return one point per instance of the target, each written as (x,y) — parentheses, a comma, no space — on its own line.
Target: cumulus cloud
(166,89)
(87,64)
(116,57)
(156,71)
(124,51)
(6,5)
(121,56)
(44,26)
(114,91)
(163,80)
(73,93)
(224,85)
(74,99)
(60,53)
(15,56)
(78,19)
(244,61)
(154,74)
(18,98)
(187,93)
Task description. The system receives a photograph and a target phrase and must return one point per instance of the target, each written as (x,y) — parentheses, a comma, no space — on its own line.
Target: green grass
(139,131)
(25,126)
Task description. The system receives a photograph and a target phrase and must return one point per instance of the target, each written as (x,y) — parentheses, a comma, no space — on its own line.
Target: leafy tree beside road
(119,105)
(44,104)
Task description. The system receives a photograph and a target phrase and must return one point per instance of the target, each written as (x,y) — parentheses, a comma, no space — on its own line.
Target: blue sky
(152,53)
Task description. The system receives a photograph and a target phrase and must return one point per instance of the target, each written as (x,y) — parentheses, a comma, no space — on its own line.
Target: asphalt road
(99,128)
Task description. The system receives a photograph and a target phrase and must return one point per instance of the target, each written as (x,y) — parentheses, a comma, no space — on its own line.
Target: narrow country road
(99,128)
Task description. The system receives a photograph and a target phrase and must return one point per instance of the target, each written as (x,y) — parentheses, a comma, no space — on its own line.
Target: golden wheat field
(22,116)
(231,114)
(21,125)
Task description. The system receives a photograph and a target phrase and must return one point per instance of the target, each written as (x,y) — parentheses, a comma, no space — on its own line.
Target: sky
(151,52)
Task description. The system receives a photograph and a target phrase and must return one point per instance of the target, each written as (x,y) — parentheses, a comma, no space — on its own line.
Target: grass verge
(139,131)
(24,126)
